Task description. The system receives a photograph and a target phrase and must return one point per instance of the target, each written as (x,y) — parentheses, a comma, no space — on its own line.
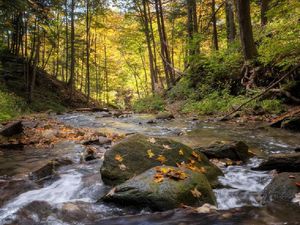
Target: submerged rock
(162,188)
(283,188)
(164,116)
(138,153)
(12,188)
(49,170)
(234,150)
(281,162)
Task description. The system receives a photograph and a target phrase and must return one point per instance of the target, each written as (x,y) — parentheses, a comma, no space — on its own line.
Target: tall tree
(88,43)
(246,34)
(192,29)
(72,69)
(230,25)
(214,23)
(263,11)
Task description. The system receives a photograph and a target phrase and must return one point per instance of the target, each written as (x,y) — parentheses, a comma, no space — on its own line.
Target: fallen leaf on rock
(296,199)
(118,157)
(180,152)
(161,159)
(196,155)
(158,178)
(152,140)
(122,167)
(196,193)
(177,175)
(297,184)
(292,177)
(111,192)
(150,153)
(167,147)
(206,208)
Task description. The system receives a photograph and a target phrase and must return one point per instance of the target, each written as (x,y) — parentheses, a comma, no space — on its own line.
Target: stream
(73,197)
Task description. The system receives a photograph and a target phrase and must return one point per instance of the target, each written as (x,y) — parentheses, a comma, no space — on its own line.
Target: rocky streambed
(69,189)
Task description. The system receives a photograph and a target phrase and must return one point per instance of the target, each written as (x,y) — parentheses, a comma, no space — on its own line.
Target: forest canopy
(137,53)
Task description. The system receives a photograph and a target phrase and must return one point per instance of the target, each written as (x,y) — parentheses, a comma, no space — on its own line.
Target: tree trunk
(263,11)
(214,23)
(246,34)
(88,22)
(230,25)
(67,41)
(72,69)
(150,53)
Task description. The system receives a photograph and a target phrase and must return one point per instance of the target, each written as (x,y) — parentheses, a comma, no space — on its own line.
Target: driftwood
(262,93)
(278,120)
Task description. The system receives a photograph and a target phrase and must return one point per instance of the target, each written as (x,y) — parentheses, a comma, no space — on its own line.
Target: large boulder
(162,188)
(138,153)
(283,188)
(234,150)
(282,163)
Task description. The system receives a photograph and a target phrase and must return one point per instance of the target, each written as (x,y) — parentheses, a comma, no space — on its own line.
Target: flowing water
(79,186)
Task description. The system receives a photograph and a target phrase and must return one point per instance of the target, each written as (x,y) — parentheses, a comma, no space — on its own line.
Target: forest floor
(49,93)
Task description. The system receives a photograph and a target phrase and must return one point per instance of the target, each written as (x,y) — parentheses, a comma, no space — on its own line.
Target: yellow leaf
(196,193)
(150,153)
(180,152)
(196,155)
(167,147)
(161,159)
(158,178)
(118,157)
(152,140)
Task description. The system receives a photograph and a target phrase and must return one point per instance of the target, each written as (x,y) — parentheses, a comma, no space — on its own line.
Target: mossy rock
(145,190)
(138,153)
(234,150)
(164,116)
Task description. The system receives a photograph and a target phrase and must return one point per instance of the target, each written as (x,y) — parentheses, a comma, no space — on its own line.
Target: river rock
(155,189)
(234,150)
(282,163)
(49,170)
(138,153)
(12,188)
(12,129)
(282,188)
(292,123)
(164,116)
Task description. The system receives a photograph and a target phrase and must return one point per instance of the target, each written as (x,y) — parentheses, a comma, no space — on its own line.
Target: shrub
(151,103)
(11,106)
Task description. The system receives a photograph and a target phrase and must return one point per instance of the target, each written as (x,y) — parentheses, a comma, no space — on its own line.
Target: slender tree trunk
(67,41)
(150,53)
(72,69)
(57,45)
(88,21)
(263,11)
(35,65)
(214,23)
(246,34)
(230,25)
(106,73)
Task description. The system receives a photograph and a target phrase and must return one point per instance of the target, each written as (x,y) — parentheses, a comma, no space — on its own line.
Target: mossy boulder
(283,188)
(289,162)
(138,153)
(164,116)
(234,150)
(159,191)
